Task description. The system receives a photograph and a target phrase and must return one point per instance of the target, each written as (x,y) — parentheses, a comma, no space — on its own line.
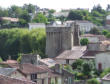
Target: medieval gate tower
(60,38)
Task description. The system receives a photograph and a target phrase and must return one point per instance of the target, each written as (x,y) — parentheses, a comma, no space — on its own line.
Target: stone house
(69,56)
(84,25)
(40,74)
(102,60)
(93,38)
(100,53)
(36,25)
(31,72)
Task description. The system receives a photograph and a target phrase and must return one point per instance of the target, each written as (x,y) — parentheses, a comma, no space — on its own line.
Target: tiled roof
(75,53)
(91,54)
(10,19)
(51,72)
(28,68)
(7,71)
(9,61)
(8,80)
(48,61)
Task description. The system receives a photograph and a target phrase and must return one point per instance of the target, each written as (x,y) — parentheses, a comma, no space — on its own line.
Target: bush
(93,81)
(77,64)
(108,35)
(105,32)
(84,41)
(105,72)
(95,31)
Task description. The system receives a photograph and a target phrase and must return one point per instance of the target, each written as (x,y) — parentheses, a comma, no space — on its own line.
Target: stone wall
(29,58)
(60,38)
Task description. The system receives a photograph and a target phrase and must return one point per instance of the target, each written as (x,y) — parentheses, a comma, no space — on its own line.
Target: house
(102,60)
(32,72)
(106,79)
(69,56)
(84,25)
(36,25)
(13,73)
(9,80)
(9,19)
(93,38)
(99,52)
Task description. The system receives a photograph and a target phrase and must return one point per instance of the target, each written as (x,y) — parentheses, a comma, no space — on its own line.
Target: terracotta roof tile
(75,53)
(8,80)
(28,68)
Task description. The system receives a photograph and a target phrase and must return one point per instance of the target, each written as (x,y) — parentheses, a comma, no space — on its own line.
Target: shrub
(105,72)
(105,32)
(93,81)
(84,41)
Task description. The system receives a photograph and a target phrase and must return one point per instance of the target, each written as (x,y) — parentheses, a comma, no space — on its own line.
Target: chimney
(20,66)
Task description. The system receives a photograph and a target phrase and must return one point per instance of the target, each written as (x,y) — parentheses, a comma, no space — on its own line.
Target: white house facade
(36,25)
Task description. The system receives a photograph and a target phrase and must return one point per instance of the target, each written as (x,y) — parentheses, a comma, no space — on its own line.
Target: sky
(56,4)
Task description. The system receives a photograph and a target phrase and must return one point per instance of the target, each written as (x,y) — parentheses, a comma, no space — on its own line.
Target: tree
(95,31)
(75,15)
(77,64)
(108,35)
(105,72)
(84,41)
(105,32)
(93,81)
(87,68)
(29,7)
(40,18)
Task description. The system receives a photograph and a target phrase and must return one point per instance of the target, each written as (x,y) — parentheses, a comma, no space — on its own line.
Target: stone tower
(60,38)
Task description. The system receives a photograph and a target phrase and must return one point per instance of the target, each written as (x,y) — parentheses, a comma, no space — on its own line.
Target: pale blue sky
(57,4)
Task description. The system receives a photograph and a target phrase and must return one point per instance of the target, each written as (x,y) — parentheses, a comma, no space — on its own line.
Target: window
(69,80)
(100,66)
(33,76)
(67,61)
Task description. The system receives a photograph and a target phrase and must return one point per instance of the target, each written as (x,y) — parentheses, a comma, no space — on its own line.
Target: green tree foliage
(40,18)
(95,31)
(29,8)
(77,64)
(14,41)
(84,41)
(105,32)
(75,15)
(93,81)
(1,59)
(108,35)
(105,72)
(87,68)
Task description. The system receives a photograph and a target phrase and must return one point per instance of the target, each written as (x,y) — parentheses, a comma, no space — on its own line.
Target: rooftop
(7,71)
(8,80)
(48,61)
(28,68)
(75,53)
